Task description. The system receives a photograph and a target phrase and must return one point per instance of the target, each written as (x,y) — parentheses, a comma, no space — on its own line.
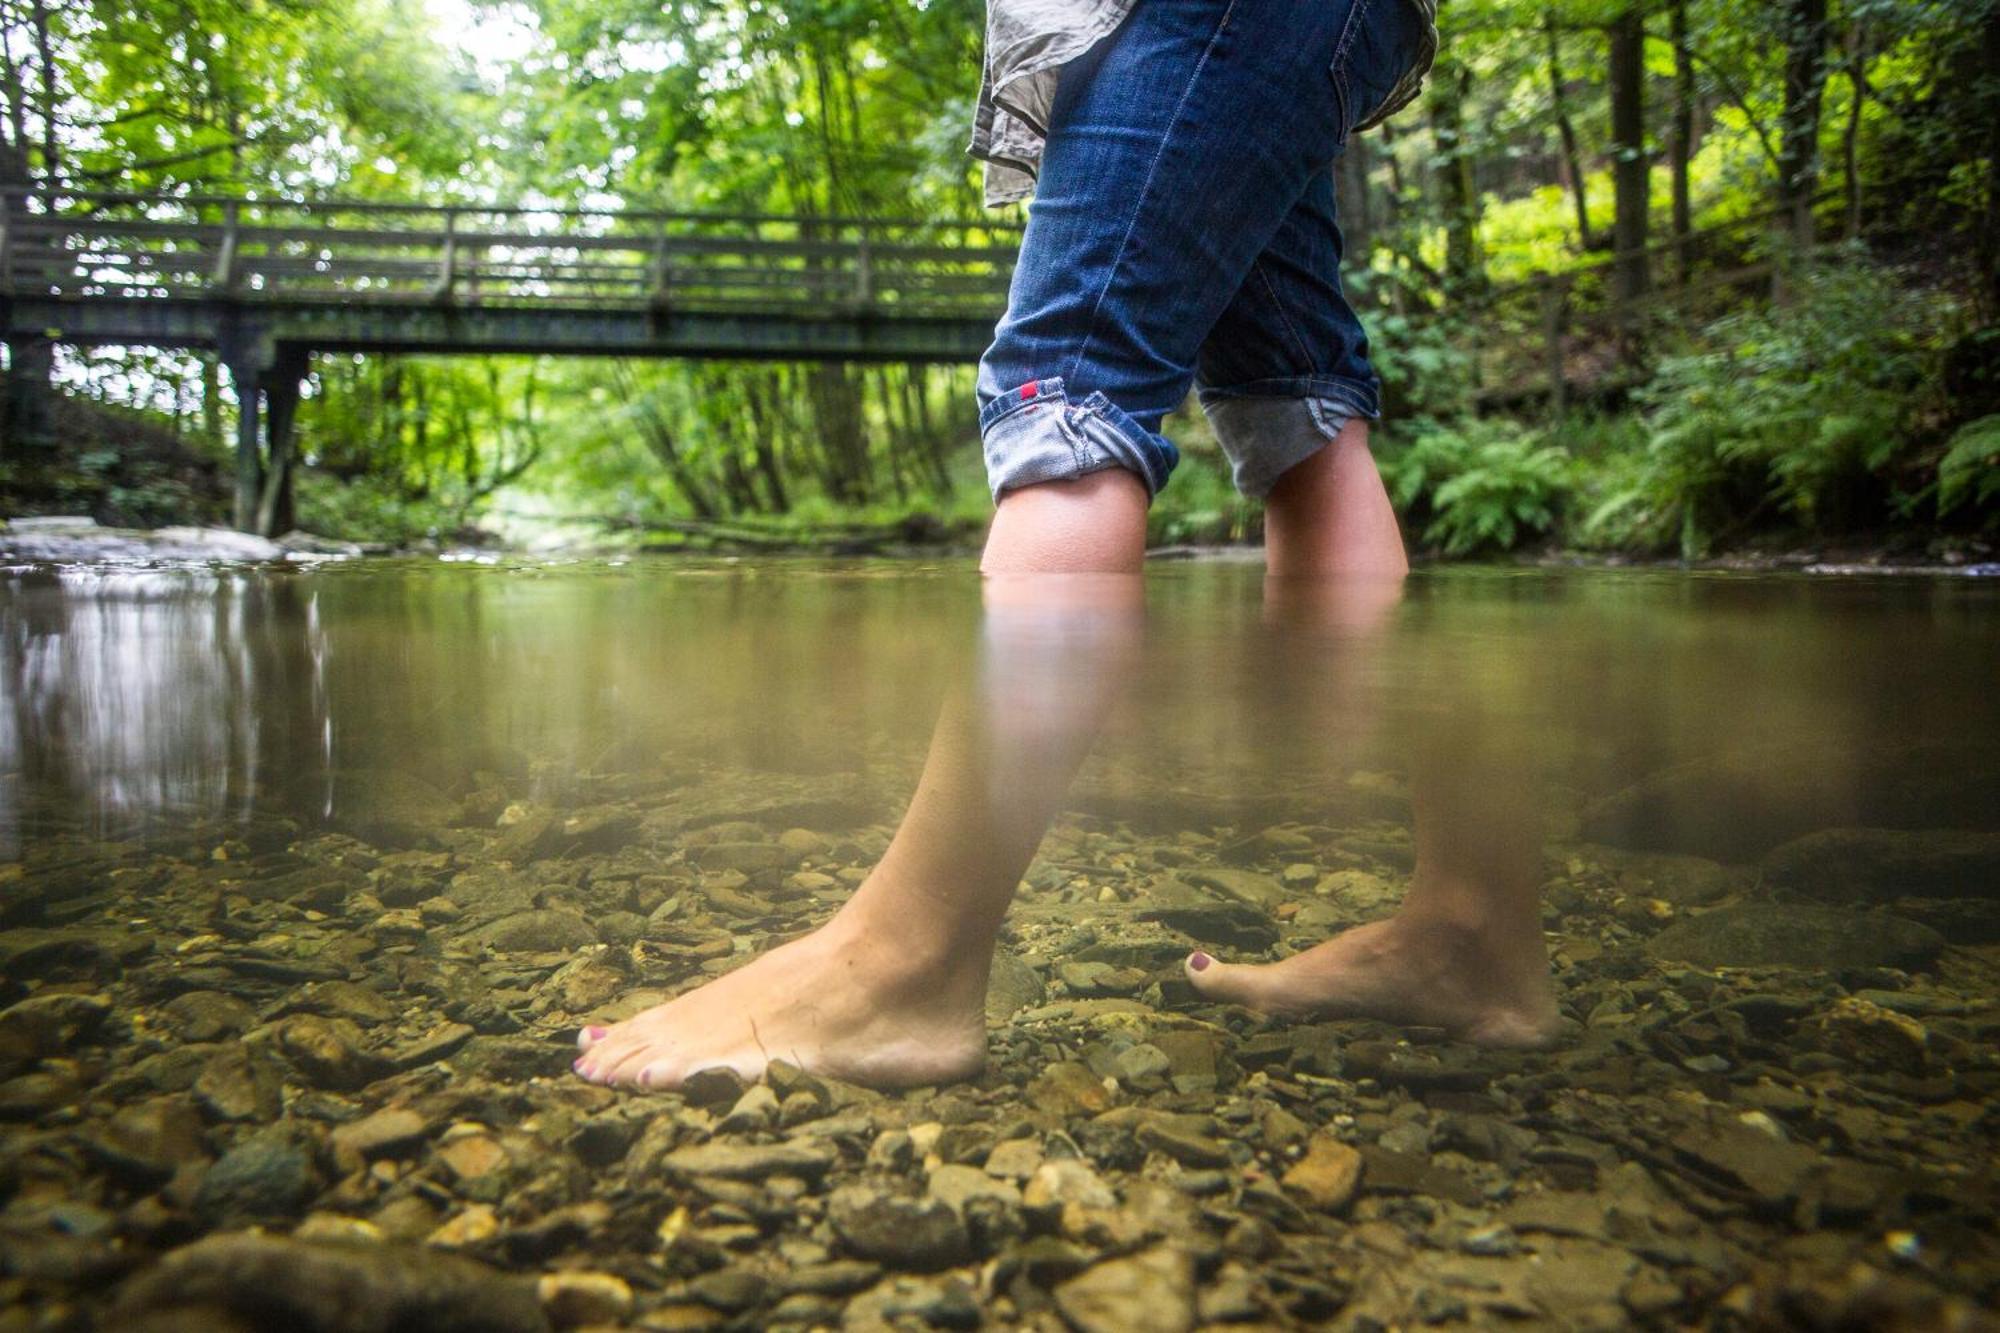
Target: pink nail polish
(595,1034)
(1200,961)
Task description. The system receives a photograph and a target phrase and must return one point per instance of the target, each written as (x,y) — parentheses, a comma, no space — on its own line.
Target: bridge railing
(134,246)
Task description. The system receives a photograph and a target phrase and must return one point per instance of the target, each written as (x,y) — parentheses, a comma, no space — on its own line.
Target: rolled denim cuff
(1268,428)
(1034,433)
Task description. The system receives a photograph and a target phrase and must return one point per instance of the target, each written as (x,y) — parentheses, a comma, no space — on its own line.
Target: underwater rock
(329,1052)
(391,807)
(1244,886)
(1011,987)
(1684,881)
(385,1132)
(1328,1176)
(1149,1292)
(1223,925)
(1782,934)
(1873,1037)
(550,930)
(255,1284)
(1885,865)
(265,1178)
(752,1161)
(572,1299)
(921,1234)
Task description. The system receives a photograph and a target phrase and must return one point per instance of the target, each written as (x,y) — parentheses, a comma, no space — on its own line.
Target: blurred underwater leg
(891,991)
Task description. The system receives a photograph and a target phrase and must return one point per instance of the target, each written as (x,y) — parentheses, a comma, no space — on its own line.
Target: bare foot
(837,1002)
(1403,971)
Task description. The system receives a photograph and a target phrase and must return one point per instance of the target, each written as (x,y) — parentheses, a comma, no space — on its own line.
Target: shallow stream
(311,876)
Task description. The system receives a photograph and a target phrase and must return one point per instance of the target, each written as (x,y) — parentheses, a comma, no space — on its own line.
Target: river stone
(383,1133)
(745,857)
(921,1234)
(1684,881)
(1011,987)
(547,930)
(1149,1292)
(572,1299)
(391,808)
(241,1083)
(208,1015)
(1884,865)
(329,1052)
(1785,935)
(1225,925)
(1328,1176)
(265,1178)
(1245,886)
(243,1283)
(145,1143)
(752,1161)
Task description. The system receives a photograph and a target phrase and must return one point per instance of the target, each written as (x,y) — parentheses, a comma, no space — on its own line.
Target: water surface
(288,848)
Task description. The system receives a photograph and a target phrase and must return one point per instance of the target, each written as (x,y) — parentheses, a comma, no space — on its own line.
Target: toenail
(1199,961)
(595,1034)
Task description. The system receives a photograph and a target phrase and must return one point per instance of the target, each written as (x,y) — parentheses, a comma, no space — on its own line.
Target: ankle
(903,953)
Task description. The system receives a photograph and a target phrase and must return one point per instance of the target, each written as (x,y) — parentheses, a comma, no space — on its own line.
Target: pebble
(1328,1176)
(921,1234)
(572,1299)
(1149,1292)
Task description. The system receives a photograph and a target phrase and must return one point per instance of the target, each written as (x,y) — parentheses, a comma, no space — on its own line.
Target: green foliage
(1479,486)
(1201,506)
(1798,413)
(1969,472)
(369,509)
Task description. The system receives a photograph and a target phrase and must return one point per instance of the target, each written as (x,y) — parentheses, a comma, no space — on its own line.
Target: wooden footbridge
(265,283)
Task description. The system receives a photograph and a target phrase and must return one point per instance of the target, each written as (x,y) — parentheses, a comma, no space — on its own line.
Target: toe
(1227,982)
(659,1075)
(623,1069)
(589,1037)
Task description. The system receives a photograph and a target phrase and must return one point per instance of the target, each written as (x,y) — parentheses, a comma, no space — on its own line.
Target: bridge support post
(26,419)
(276,513)
(266,375)
(248,379)
(267,379)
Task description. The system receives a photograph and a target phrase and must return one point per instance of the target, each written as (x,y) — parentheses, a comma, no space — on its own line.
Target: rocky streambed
(261,1075)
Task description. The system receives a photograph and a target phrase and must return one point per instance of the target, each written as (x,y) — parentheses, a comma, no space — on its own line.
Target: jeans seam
(1284,315)
(1357,14)
(1146,187)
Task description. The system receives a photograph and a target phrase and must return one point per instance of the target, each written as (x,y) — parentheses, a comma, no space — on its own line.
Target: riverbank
(77,539)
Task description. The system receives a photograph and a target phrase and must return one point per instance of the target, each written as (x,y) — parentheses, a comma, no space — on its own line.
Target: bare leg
(1331,517)
(1465,951)
(891,991)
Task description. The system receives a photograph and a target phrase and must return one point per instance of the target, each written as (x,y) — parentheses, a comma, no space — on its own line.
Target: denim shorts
(1183,235)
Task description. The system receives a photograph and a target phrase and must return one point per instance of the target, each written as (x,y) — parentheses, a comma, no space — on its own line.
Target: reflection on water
(182,693)
(138,694)
(313,875)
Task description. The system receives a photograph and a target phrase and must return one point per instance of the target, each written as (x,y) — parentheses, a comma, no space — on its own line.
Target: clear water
(1660,750)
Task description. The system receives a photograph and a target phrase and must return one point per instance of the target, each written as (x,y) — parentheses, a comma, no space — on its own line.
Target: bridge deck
(249,276)
(266,283)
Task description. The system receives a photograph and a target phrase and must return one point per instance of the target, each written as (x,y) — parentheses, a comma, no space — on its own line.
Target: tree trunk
(1630,174)
(1458,192)
(1798,146)
(1680,142)
(763,424)
(1572,160)
(1850,139)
